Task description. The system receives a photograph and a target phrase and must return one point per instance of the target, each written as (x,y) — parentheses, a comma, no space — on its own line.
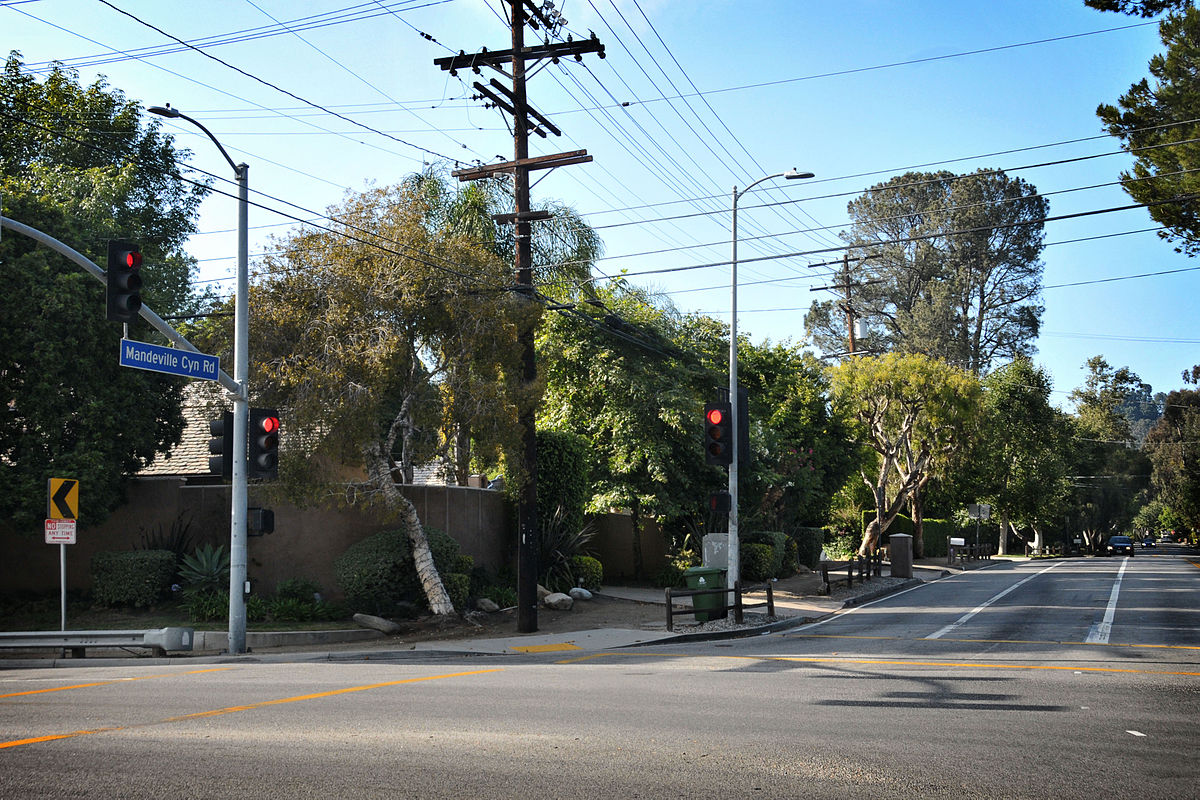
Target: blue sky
(693,98)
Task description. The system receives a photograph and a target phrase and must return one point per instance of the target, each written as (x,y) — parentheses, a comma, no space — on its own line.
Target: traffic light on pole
(220,446)
(124,281)
(718,434)
(264,444)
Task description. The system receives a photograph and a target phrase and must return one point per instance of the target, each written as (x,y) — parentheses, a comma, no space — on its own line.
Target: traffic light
(718,434)
(719,503)
(124,281)
(221,445)
(264,444)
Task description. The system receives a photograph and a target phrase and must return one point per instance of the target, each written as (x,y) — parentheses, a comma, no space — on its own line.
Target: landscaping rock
(558,601)
(580,593)
(486,605)
(378,623)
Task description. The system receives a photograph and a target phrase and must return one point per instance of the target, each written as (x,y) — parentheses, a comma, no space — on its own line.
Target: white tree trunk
(431,581)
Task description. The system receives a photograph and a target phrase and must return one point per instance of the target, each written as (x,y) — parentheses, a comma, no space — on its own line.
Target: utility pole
(513,101)
(847,285)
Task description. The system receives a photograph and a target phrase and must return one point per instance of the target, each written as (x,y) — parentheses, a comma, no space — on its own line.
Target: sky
(693,99)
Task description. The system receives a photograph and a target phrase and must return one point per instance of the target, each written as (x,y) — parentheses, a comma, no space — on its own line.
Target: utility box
(716,551)
(900,553)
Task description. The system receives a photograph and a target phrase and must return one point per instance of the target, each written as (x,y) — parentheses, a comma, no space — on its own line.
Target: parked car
(1120,545)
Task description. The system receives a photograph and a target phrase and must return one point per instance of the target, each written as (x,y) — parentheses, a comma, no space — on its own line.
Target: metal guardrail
(160,640)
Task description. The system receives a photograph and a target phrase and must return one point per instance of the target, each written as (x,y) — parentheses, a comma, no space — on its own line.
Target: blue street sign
(141,355)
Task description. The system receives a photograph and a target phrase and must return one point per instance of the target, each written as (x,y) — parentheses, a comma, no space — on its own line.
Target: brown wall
(306,541)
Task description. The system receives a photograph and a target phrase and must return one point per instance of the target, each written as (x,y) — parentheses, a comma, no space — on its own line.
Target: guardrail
(737,607)
(159,640)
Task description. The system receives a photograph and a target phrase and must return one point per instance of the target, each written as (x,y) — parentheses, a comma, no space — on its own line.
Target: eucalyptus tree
(945,265)
(915,412)
(77,164)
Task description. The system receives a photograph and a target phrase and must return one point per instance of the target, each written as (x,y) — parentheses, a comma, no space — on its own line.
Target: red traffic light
(269,424)
(715,416)
(133,259)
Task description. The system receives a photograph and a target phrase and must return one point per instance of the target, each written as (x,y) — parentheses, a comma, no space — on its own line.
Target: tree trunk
(916,504)
(636,518)
(462,454)
(431,582)
(1002,545)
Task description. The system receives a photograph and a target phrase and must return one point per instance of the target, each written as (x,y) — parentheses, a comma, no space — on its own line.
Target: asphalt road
(1076,678)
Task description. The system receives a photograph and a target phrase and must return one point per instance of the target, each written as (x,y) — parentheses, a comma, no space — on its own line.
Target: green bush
(135,578)
(671,575)
(503,596)
(558,544)
(378,573)
(297,589)
(757,560)
(257,608)
(458,586)
(841,545)
(293,609)
(207,606)
(562,477)
(777,541)
(588,571)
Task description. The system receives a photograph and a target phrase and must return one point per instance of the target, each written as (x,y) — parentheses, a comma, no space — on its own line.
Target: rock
(542,592)
(580,593)
(377,623)
(558,601)
(486,605)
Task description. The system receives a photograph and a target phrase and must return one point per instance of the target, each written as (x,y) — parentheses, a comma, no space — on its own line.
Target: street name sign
(173,361)
(60,531)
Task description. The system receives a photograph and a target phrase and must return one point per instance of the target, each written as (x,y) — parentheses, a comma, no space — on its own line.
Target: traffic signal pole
(241,410)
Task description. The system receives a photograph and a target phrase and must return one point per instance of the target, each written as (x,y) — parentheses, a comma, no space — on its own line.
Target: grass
(45,614)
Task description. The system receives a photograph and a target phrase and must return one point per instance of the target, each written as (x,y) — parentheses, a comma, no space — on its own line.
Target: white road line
(963,619)
(1100,632)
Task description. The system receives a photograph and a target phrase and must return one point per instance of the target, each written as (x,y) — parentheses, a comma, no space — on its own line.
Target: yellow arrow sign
(63,500)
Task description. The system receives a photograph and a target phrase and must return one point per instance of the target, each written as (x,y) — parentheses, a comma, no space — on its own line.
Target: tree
(803,451)
(948,266)
(362,330)
(1173,446)
(1140,8)
(914,412)
(1022,451)
(1109,474)
(76,164)
(618,375)
(1158,125)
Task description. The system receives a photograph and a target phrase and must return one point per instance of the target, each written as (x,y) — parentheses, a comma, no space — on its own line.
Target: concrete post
(900,553)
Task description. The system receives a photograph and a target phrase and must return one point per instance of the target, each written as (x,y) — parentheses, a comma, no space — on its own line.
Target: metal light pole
(241,398)
(734,560)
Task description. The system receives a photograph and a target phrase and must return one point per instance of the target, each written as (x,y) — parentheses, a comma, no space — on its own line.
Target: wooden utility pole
(513,101)
(847,285)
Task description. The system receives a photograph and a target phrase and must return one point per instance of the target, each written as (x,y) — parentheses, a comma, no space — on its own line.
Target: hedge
(135,578)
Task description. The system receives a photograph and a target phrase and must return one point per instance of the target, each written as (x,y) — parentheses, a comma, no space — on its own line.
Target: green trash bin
(707,578)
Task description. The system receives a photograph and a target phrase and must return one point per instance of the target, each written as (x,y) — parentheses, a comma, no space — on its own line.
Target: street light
(241,373)
(734,560)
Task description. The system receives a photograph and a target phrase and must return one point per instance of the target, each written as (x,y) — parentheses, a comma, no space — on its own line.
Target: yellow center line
(250,707)
(110,683)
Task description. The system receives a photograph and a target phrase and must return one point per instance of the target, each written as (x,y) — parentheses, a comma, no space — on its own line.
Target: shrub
(297,589)
(293,609)
(135,578)
(671,575)
(177,538)
(207,606)
(841,545)
(378,573)
(757,560)
(562,479)
(778,543)
(458,586)
(503,596)
(588,571)
(558,544)
(257,608)
(206,569)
